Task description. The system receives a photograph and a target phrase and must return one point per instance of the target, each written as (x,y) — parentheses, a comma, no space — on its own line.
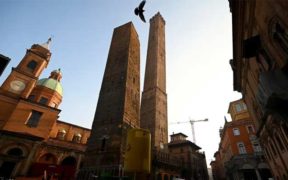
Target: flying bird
(139,10)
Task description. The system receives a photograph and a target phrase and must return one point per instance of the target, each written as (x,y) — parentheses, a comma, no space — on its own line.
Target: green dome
(51,84)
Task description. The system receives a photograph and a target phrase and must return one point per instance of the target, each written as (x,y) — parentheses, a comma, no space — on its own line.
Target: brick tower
(118,105)
(154,98)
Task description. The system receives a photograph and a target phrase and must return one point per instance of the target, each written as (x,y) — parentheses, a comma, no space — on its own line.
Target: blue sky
(198,49)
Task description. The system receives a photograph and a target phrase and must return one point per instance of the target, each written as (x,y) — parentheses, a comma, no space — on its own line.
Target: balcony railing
(239,159)
(66,144)
(161,157)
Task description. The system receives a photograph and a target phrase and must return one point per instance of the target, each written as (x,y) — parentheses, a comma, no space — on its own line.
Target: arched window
(61,134)
(32,65)
(77,138)
(166,177)
(69,161)
(159,177)
(15,152)
(7,167)
(48,159)
(281,36)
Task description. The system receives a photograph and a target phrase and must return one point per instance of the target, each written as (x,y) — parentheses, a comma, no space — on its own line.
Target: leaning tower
(153,113)
(118,107)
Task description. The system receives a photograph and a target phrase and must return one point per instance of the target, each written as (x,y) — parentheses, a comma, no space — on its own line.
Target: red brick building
(239,154)
(32,138)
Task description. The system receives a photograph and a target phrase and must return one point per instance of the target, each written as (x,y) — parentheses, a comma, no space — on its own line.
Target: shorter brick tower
(118,105)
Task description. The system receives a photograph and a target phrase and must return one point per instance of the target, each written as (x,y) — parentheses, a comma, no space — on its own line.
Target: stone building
(32,138)
(193,162)
(260,56)
(239,155)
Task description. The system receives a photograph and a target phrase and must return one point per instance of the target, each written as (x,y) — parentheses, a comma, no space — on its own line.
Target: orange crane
(192,126)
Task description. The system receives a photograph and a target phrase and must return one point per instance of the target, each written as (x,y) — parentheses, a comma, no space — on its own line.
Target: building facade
(193,162)
(33,140)
(240,155)
(260,51)
(218,170)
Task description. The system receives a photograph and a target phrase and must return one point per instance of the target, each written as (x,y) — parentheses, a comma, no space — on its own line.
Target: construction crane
(191,121)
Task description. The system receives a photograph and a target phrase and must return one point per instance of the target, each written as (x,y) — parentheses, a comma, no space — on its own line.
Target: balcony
(66,144)
(272,93)
(166,159)
(238,160)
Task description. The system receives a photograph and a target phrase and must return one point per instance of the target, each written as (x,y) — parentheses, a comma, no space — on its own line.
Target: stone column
(29,159)
(258,174)
(80,156)
(16,168)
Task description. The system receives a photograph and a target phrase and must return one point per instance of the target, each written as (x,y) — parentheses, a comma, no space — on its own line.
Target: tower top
(47,44)
(128,25)
(158,16)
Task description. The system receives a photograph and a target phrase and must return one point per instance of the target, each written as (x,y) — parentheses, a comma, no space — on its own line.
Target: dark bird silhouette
(139,10)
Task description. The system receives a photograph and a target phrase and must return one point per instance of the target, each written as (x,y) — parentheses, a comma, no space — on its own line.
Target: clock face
(17,85)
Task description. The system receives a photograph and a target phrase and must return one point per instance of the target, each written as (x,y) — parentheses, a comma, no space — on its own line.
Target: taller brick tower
(154,98)
(118,107)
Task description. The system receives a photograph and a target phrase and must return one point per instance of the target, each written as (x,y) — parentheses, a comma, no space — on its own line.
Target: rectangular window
(236,131)
(250,129)
(240,107)
(54,105)
(257,147)
(43,100)
(34,118)
(241,148)
(32,65)
(31,97)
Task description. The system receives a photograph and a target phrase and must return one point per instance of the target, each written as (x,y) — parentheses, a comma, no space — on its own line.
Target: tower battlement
(158,15)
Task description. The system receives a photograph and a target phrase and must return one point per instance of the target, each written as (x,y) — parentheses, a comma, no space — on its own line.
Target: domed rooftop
(51,84)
